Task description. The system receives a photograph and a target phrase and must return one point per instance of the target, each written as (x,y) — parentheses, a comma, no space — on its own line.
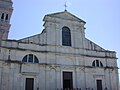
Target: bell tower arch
(5,15)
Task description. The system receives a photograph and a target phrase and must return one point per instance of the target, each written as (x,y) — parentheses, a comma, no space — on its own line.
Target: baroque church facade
(58,58)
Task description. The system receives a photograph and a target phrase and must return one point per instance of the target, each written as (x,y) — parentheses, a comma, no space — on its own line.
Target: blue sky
(102,19)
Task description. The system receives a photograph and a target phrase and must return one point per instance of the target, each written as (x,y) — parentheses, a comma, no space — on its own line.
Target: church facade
(58,58)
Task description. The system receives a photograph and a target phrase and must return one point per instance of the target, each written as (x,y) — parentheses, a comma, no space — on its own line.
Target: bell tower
(5,15)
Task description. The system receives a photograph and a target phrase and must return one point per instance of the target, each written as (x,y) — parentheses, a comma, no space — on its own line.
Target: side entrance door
(67,80)
(99,84)
(29,84)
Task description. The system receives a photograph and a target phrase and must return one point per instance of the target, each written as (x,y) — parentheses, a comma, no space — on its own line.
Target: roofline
(63,12)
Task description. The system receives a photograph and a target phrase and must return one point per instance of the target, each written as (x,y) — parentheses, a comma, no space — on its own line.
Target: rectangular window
(29,84)
(67,80)
(99,84)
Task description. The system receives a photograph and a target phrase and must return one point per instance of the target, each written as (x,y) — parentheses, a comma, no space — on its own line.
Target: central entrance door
(29,84)
(67,80)
(99,84)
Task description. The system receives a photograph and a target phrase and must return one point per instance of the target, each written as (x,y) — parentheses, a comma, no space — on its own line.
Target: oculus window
(30,58)
(66,36)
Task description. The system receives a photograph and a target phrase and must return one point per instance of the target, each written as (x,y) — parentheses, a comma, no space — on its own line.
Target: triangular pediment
(66,16)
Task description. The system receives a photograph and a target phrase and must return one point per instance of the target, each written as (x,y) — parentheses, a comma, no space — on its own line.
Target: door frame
(31,83)
(73,77)
(97,83)
(30,77)
(70,80)
(99,77)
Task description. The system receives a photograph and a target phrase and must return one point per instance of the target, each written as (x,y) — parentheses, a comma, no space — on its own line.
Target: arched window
(97,63)
(30,58)
(6,18)
(66,36)
(2,17)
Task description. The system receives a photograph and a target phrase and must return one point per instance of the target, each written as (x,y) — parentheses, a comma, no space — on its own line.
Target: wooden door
(99,84)
(29,84)
(67,80)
